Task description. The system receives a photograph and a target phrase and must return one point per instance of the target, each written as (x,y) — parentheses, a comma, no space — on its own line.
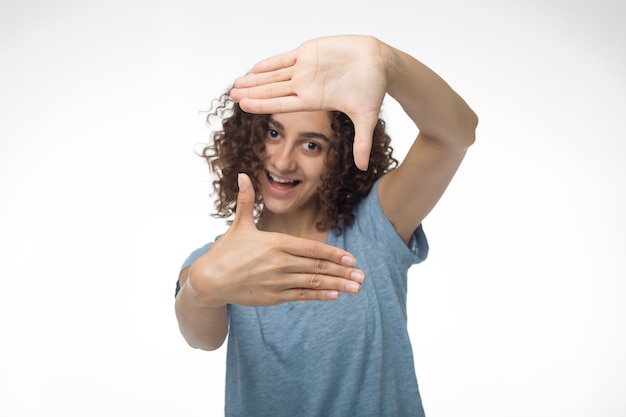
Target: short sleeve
(374,225)
(418,244)
(191,259)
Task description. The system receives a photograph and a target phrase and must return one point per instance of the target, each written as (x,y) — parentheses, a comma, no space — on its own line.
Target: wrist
(389,56)
(399,68)
(203,290)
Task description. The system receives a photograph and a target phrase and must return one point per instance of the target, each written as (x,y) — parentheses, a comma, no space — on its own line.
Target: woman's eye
(311,146)
(272,133)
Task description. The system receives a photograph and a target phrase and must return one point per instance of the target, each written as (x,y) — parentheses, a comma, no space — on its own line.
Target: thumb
(244,214)
(363,133)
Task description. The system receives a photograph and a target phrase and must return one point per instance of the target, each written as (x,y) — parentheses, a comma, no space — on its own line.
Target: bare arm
(203,327)
(446,129)
(352,74)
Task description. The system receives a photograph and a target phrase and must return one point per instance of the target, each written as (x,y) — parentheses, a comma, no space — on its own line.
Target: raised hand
(345,73)
(250,267)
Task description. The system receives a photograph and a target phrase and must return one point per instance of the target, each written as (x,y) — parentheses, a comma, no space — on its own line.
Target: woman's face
(294,160)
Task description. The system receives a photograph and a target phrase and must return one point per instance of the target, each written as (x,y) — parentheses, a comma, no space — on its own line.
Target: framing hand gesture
(250,267)
(345,73)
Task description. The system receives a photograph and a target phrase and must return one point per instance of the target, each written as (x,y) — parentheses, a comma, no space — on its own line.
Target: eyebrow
(306,135)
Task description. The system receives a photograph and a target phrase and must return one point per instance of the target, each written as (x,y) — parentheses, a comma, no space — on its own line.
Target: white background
(519,310)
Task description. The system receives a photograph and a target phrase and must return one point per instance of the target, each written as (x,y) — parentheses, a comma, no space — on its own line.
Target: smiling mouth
(283,183)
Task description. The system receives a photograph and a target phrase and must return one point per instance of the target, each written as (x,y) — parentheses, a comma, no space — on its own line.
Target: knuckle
(313,251)
(315,281)
(319,265)
(302,294)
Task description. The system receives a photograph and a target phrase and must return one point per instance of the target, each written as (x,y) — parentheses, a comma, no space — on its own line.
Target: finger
(308,267)
(276,62)
(264,91)
(324,282)
(311,249)
(253,80)
(363,134)
(362,149)
(244,214)
(315,250)
(305,294)
(318,287)
(272,105)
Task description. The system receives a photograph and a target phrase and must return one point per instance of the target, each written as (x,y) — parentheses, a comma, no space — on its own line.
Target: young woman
(309,282)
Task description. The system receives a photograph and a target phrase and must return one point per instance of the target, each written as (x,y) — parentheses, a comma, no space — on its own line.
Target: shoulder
(196,254)
(373,230)
(191,259)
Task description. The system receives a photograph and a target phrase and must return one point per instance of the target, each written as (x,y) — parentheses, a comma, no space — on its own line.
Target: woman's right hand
(249,267)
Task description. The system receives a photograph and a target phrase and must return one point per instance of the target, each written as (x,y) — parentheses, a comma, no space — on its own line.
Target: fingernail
(357,276)
(239,182)
(348,260)
(352,287)
(332,295)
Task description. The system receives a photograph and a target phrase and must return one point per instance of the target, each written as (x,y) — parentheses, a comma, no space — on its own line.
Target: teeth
(281,180)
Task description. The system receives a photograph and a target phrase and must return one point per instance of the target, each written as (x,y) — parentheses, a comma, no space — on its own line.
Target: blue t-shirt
(349,357)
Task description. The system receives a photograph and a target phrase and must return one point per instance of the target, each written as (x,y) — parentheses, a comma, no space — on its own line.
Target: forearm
(437,110)
(202,327)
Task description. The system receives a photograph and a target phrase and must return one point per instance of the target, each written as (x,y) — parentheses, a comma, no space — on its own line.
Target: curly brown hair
(238,142)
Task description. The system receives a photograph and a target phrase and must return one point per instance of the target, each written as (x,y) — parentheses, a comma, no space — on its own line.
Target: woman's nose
(284,160)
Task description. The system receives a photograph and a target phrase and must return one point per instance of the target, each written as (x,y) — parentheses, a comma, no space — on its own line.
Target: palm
(344,73)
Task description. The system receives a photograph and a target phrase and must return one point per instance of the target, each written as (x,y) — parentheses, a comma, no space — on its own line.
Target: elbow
(470,124)
(206,343)
(474,125)
(209,347)
(201,334)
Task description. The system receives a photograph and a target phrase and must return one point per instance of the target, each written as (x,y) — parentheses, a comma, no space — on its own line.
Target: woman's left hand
(345,73)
